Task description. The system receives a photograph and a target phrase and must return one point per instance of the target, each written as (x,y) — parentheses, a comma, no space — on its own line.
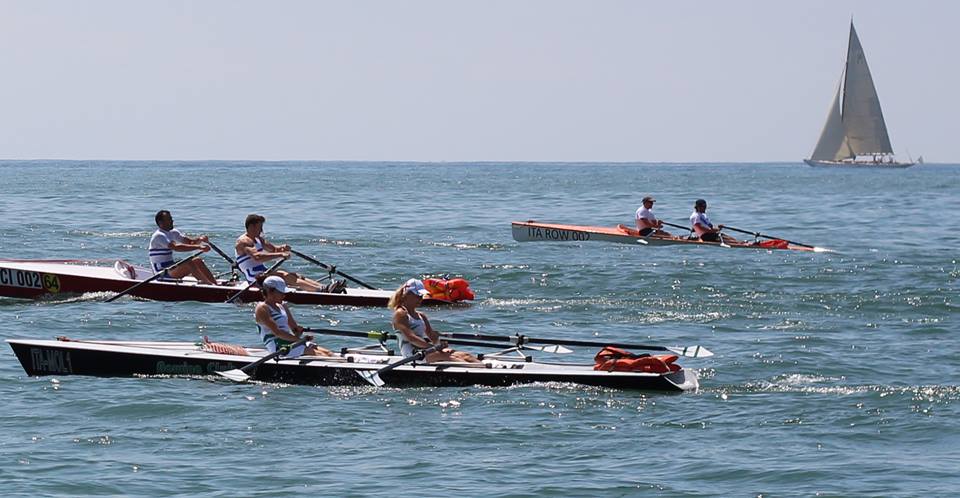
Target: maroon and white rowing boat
(40,279)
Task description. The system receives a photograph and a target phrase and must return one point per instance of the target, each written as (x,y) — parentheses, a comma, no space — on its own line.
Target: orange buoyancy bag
(614,359)
(455,289)
(774,244)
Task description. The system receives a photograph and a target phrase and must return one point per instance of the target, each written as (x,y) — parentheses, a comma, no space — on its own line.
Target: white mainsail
(855,125)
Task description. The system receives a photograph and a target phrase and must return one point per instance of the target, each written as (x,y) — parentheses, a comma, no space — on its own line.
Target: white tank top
(419,327)
(249,266)
(270,341)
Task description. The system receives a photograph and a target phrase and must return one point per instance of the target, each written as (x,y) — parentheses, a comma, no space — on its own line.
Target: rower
(413,327)
(647,223)
(701,226)
(252,250)
(276,324)
(168,239)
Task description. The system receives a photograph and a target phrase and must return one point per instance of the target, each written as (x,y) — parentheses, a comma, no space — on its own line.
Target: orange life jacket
(455,289)
(774,244)
(618,360)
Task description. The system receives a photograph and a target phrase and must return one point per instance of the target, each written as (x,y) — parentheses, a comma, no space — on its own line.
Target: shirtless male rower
(253,250)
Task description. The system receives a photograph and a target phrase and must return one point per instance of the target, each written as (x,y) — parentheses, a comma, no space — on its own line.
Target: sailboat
(855,133)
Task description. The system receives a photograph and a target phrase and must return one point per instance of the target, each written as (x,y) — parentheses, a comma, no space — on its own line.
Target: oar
(374,376)
(245,287)
(332,269)
(758,234)
(243,374)
(674,225)
(233,264)
(156,276)
(691,351)
(517,340)
(450,338)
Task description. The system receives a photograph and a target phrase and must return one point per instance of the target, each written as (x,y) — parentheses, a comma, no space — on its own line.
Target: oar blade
(692,351)
(642,242)
(556,349)
(372,376)
(235,375)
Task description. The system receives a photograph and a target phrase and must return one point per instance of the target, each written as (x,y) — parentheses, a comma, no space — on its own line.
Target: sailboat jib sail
(855,126)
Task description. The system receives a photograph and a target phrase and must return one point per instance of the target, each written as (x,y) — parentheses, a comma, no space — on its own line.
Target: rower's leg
(203,273)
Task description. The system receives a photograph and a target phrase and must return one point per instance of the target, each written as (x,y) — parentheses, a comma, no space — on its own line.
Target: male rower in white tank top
(253,250)
(166,240)
(647,223)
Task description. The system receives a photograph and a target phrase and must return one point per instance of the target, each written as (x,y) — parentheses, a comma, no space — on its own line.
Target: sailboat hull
(856,164)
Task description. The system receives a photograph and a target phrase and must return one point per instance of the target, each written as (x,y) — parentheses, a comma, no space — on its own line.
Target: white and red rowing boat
(37,279)
(534,231)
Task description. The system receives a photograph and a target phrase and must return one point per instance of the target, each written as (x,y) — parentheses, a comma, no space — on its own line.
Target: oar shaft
(674,225)
(373,334)
(222,254)
(269,270)
(519,340)
(328,267)
(156,276)
(419,355)
(281,351)
(758,234)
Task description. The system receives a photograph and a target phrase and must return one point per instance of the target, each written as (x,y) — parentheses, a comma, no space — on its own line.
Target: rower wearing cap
(276,324)
(647,223)
(703,228)
(168,239)
(252,250)
(413,327)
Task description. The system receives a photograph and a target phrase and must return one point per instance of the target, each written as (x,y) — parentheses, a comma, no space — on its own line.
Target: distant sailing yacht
(855,133)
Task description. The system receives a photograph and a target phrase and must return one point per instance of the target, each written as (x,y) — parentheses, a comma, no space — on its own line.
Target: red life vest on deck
(455,289)
(618,360)
(774,244)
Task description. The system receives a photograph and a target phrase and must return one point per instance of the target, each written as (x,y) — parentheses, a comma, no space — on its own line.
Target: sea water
(834,373)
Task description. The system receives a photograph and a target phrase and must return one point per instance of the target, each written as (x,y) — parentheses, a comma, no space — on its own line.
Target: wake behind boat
(855,134)
(534,231)
(36,279)
(128,358)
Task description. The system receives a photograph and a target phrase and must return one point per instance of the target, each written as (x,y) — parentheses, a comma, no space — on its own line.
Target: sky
(447,80)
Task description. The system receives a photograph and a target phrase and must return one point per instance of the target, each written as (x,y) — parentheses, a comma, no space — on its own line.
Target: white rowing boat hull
(127,358)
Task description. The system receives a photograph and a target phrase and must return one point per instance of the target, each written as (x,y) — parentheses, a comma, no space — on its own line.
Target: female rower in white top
(413,327)
(647,223)
(276,324)
(252,250)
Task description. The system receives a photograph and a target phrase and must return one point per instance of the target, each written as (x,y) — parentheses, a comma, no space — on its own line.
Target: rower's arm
(294,326)
(432,334)
(190,246)
(258,256)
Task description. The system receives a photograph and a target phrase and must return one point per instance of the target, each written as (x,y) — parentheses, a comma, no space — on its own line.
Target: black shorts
(646,231)
(711,237)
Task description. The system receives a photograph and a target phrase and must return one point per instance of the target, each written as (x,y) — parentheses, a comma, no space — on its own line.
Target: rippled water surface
(834,373)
